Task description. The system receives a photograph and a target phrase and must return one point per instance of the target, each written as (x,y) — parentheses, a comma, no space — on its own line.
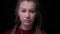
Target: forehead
(27,5)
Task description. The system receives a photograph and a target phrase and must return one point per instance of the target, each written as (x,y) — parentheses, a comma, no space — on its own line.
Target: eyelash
(22,10)
(29,11)
(32,11)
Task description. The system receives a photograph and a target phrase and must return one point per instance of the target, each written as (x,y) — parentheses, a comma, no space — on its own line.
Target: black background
(49,14)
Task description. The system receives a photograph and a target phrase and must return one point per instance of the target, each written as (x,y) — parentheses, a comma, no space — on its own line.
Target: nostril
(28,17)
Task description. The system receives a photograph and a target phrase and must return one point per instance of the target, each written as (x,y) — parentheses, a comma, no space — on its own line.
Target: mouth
(27,21)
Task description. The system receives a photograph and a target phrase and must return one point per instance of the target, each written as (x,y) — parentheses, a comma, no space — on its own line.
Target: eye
(23,11)
(32,11)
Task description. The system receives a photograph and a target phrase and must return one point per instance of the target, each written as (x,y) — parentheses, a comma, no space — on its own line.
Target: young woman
(28,18)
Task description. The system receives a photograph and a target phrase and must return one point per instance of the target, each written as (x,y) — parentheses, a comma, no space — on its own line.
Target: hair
(37,22)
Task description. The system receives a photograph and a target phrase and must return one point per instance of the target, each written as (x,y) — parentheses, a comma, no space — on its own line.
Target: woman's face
(27,12)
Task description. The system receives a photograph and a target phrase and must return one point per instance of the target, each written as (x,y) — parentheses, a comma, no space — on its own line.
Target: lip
(27,21)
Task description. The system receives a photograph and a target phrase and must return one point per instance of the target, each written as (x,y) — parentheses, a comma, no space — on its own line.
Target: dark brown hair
(38,20)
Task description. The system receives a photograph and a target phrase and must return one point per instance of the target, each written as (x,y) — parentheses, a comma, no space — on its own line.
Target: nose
(27,15)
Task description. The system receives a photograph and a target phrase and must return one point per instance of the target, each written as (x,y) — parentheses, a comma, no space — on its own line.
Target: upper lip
(27,20)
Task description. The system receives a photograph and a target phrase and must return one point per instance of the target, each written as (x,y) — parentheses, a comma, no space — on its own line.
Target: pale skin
(26,14)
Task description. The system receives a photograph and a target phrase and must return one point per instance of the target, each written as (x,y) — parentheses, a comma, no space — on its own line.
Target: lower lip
(27,21)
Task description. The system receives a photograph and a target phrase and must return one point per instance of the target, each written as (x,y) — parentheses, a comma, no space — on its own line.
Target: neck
(26,27)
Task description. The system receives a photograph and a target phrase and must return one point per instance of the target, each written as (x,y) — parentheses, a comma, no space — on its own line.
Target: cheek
(33,16)
(21,16)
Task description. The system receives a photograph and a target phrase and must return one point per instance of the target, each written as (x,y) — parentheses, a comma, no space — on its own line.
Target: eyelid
(32,11)
(23,11)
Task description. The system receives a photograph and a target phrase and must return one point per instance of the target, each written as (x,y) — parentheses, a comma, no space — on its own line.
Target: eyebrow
(25,9)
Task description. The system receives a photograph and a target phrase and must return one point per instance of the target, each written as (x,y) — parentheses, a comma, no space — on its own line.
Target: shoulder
(8,31)
(43,32)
